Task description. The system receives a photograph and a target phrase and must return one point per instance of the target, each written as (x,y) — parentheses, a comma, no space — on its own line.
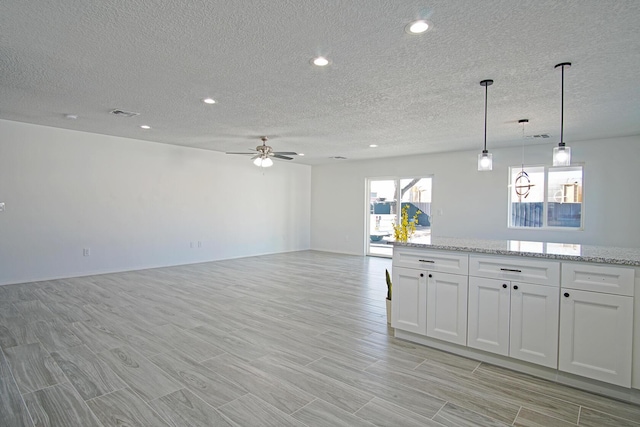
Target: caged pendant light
(485,159)
(562,153)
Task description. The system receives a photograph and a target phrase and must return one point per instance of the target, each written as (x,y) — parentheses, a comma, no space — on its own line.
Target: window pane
(526,196)
(416,193)
(382,202)
(564,197)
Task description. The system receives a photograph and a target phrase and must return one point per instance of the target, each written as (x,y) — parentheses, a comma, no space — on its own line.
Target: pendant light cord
(486,91)
(523,146)
(562,110)
(523,122)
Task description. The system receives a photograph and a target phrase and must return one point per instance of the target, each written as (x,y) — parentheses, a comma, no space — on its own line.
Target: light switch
(1,206)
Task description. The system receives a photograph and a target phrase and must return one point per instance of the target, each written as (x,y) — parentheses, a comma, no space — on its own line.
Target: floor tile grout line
(579,415)
(517,415)
(439,410)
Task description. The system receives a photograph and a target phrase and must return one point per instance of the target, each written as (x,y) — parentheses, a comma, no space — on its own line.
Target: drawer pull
(431,275)
(427,260)
(504,285)
(566,294)
(511,270)
(421,274)
(515,287)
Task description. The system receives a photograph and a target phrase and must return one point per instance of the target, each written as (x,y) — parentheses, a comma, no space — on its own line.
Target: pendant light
(485,159)
(522,183)
(562,153)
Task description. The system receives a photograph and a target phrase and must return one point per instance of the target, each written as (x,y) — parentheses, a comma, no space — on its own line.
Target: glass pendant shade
(562,155)
(263,162)
(485,161)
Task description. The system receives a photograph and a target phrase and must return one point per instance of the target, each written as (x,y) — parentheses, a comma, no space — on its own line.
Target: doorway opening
(383,211)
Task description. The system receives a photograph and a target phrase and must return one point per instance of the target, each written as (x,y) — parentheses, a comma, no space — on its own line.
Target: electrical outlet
(86,252)
(1,206)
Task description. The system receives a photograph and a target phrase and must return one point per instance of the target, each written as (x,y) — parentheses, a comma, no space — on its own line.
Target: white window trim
(545,201)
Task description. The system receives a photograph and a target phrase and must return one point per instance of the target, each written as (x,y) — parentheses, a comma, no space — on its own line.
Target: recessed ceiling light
(300,154)
(145,127)
(373,145)
(71,116)
(209,101)
(320,61)
(417,27)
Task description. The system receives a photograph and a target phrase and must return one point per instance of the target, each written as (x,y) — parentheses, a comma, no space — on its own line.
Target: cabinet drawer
(598,278)
(446,262)
(542,272)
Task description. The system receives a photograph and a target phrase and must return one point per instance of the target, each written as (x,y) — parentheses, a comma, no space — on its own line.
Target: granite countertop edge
(493,251)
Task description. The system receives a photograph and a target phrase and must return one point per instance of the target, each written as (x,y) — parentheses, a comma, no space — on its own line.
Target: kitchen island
(563,312)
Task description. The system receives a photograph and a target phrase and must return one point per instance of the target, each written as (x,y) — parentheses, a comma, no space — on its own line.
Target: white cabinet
(447,307)
(427,298)
(489,306)
(409,300)
(573,317)
(514,318)
(534,324)
(596,322)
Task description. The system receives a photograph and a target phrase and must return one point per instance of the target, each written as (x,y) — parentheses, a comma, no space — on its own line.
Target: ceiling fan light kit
(263,162)
(265,153)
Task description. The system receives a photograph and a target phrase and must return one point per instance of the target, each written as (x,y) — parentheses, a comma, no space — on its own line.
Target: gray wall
(137,204)
(474,204)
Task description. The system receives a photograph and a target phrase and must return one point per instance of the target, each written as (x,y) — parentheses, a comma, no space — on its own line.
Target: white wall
(474,204)
(137,204)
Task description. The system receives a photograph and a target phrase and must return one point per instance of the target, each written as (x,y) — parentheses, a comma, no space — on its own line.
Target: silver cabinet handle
(511,269)
(427,260)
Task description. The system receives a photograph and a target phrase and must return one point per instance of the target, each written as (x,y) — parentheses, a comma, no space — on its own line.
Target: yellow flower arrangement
(403,231)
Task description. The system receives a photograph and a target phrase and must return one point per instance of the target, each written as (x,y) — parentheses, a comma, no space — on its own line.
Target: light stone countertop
(549,250)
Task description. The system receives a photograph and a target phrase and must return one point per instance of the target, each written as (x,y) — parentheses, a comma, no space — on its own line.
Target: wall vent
(542,135)
(123,113)
(338,158)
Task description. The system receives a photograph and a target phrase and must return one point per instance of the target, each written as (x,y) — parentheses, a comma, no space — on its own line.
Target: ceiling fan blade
(278,156)
(236,153)
(286,153)
(257,156)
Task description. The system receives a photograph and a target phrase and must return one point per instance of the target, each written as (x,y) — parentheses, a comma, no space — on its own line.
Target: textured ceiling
(409,94)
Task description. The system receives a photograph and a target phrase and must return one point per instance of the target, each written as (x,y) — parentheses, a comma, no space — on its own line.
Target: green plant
(405,229)
(388,284)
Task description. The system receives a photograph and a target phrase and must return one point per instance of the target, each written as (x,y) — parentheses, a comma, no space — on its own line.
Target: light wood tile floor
(295,339)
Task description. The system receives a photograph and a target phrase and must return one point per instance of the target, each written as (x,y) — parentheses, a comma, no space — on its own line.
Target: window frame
(545,200)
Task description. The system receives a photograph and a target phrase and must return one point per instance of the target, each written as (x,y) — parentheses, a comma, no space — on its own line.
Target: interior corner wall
(471,204)
(135,204)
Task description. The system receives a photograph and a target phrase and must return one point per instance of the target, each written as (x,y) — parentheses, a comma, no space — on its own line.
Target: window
(545,197)
(383,210)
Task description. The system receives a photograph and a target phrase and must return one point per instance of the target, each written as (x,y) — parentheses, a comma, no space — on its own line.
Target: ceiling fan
(265,152)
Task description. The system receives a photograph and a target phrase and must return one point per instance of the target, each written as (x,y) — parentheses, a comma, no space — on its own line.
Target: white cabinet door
(447,307)
(534,323)
(596,336)
(488,322)
(409,300)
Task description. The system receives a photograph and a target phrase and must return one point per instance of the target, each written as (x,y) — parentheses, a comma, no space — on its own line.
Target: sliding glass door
(383,211)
